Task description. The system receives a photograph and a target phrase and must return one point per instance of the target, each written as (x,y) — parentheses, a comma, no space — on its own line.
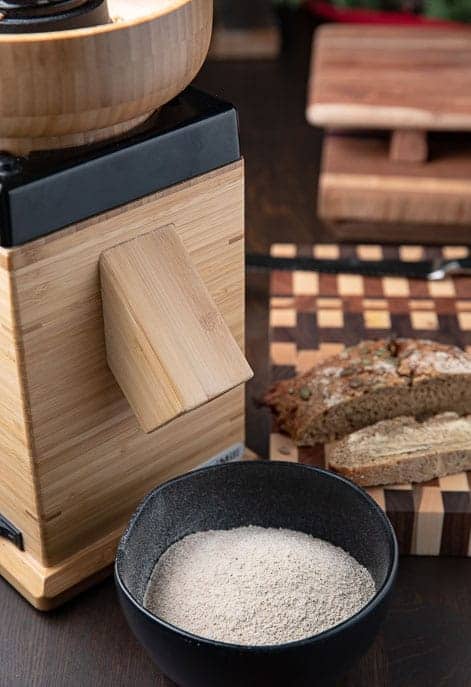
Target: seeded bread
(369,382)
(403,450)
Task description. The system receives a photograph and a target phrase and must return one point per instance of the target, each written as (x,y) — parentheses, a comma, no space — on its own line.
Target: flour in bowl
(256,585)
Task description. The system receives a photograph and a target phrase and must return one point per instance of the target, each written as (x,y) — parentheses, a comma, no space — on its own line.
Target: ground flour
(253,585)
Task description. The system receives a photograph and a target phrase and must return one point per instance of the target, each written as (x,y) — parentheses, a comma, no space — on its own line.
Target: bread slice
(403,450)
(369,382)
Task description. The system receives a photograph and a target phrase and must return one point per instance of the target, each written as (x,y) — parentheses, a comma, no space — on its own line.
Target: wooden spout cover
(167,343)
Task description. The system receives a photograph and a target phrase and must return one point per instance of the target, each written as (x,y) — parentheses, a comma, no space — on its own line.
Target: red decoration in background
(325,10)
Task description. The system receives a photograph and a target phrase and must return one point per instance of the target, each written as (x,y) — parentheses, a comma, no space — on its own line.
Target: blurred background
(260,60)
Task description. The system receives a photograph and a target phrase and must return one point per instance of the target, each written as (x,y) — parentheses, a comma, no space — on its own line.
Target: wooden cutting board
(316,315)
(390,78)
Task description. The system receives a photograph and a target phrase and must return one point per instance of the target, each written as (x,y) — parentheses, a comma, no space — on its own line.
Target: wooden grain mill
(396,106)
(121,276)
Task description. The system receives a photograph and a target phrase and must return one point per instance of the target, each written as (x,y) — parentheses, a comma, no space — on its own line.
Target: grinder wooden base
(47,588)
(74,461)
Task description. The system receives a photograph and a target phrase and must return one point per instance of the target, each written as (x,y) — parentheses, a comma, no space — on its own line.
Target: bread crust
(369,382)
(417,469)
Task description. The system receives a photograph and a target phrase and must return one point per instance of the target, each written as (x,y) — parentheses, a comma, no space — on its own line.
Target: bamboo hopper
(68,88)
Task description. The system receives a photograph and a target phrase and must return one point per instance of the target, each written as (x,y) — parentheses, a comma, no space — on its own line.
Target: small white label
(229,455)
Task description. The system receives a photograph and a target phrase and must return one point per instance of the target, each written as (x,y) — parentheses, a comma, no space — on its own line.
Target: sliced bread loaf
(369,382)
(403,450)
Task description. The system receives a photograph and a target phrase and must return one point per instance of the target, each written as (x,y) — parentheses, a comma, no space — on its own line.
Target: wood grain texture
(72,87)
(426,636)
(18,487)
(167,343)
(85,457)
(359,182)
(379,77)
(408,145)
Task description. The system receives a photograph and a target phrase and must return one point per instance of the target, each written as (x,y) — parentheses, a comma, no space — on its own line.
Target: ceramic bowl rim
(374,602)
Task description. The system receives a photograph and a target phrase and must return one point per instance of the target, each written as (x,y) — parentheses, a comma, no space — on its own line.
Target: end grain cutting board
(316,315)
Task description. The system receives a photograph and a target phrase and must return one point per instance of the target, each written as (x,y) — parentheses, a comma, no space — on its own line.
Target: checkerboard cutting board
(313,316)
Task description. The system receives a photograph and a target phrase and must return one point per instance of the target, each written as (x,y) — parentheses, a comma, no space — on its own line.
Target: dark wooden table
(427,637)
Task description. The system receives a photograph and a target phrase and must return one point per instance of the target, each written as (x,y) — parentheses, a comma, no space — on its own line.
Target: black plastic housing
(38,16)
(192,135)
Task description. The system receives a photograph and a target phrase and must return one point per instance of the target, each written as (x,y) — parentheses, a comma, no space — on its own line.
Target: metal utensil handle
(457,267)
(449,268)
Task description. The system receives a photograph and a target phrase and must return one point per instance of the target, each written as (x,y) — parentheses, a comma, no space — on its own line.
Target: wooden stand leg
(408,145)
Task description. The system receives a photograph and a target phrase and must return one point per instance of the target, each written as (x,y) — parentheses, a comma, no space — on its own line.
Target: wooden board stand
(73,458)
(393,105)
(365,195)
(313,316)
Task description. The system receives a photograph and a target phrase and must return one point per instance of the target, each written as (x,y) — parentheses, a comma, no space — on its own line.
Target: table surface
(426,638)
(379,76)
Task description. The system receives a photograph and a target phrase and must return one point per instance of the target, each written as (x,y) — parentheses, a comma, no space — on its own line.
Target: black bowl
(269,494)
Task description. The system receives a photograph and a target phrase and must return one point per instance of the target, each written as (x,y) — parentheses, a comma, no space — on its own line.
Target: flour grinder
(121,276)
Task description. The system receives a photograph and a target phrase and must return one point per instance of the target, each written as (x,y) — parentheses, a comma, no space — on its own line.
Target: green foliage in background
(456,10)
